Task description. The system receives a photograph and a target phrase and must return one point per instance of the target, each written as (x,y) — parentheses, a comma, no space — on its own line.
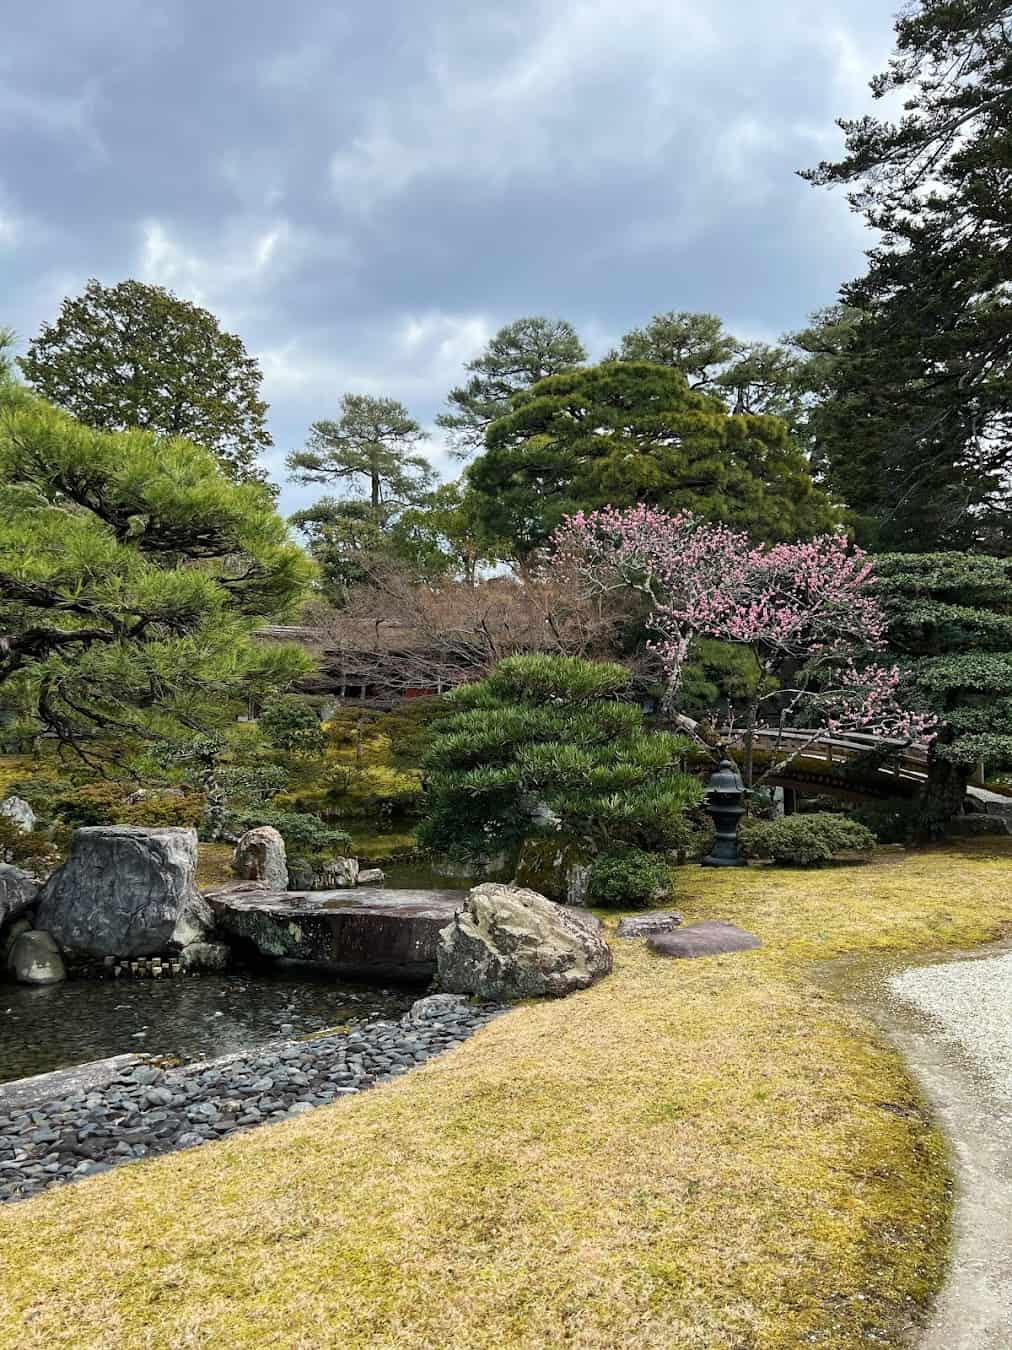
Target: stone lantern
(725,797)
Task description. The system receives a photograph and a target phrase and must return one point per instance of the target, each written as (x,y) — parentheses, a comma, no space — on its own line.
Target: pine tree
(519,355)
(950,625)
(546,743)
(918,434)
(628,432)
(370,445)
(133,574)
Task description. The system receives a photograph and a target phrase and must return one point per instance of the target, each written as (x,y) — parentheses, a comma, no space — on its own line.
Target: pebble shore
(151,1110)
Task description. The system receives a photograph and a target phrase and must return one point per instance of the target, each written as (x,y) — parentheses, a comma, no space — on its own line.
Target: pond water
(187,1017)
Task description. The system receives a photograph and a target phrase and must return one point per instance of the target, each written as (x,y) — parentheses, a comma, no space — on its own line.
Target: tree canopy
(917,435)
(370,447)
(547,744)
(133,573)
(622,433)
(950,625)
(134,355)
(519,355)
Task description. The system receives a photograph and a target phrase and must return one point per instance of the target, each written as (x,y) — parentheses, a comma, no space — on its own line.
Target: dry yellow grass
(712,1154)
(214,865)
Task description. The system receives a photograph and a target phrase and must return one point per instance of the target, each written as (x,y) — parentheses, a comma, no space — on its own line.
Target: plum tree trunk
(944,790)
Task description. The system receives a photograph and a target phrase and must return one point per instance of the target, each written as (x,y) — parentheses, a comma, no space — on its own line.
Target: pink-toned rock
(260,856)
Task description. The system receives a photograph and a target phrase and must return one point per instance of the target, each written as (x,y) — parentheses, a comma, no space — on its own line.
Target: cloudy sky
(365,191)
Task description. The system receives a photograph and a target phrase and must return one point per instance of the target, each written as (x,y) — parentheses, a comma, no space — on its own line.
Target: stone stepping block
(646,925)
(703,939)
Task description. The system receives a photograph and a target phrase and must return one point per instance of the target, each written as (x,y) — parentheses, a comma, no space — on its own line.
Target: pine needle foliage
(546,742)
(133,575)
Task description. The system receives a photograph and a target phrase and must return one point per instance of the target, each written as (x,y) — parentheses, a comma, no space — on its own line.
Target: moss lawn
(714,1153)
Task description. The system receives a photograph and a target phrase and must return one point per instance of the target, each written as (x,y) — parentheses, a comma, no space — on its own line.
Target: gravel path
(953,1023)
(971,1002)
(149,1110)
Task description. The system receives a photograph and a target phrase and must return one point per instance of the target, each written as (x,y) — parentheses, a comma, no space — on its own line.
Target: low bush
(161,808)
(41,793)
(32,850)
(890,821)
(804,841)
(290,723)
(305,835)
(628,880)
(92,804)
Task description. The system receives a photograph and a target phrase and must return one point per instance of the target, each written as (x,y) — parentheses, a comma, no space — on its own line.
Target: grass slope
(711,1154)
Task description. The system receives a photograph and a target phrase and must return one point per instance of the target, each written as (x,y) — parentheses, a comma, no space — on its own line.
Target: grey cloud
(364,190)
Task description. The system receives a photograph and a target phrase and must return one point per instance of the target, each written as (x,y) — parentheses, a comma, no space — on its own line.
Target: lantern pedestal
(725,798)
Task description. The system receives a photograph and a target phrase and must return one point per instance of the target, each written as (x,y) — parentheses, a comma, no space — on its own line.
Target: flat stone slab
(703,939)
(372,931)
(646,925)
(22,1093)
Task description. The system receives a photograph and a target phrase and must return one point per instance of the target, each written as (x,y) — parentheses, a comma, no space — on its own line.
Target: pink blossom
(807,608)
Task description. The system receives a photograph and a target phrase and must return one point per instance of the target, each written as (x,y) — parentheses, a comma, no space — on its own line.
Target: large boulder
(508,943)
(35,959)
(260,856)
(18,890)
(125,891)
(19,813)
(556,867)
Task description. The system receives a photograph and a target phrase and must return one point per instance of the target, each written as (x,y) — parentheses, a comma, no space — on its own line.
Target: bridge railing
(906,760)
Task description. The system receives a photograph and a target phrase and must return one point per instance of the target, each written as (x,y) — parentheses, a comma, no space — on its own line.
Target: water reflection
(189,1017)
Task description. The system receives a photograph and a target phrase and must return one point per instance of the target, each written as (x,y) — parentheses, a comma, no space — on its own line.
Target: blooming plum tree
(806,611)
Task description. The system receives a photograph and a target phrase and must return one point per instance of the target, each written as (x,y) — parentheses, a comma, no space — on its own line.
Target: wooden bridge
(891,768)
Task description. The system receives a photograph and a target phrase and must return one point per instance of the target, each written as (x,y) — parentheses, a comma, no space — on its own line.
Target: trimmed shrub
(804,841)
(290,723)
(160,808)
(93,804)
(628,880)
(305,835)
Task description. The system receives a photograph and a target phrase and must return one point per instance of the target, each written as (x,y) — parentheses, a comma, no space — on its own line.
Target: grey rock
(434,1006)
(19,813)
(336,874)
(260,856)
(124,891)
(35,959)
(190,1139)
(194,924)
(10,935)
(703,939)
(204,956)
(509,943)
(371,876)
(555,866)
(645,925)
(18,890)
(158,1096)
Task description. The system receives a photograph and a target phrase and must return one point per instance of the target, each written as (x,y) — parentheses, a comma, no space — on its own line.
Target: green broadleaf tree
(135,355)
(626,432)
